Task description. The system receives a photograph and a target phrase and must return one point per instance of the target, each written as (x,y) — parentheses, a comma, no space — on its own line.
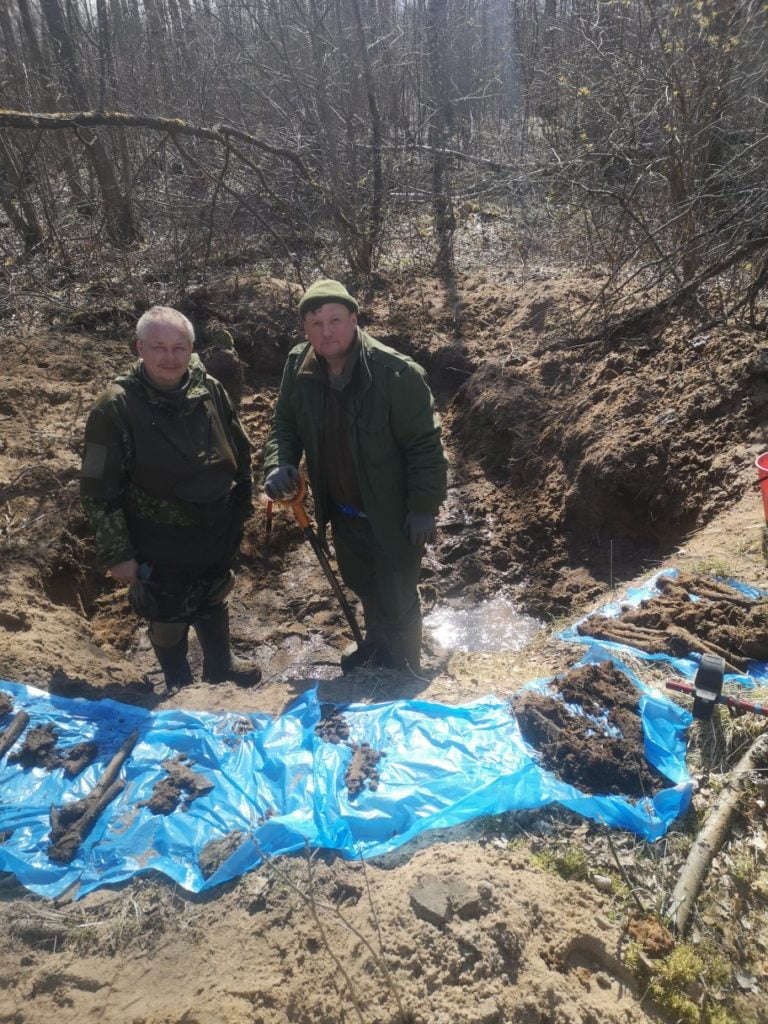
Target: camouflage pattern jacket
(178,459)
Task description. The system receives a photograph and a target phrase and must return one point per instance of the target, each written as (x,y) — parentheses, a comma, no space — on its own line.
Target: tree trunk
(442,206)
(16,202)
(117,208)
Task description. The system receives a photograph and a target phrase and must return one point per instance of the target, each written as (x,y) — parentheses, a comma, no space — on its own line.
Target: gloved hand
(420,527)
(282,482)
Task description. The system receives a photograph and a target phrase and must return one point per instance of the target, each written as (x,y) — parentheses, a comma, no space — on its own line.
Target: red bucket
(762,475)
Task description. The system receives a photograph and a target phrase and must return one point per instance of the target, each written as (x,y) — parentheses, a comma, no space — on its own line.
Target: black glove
(282,482)
(141,595)
(420,527)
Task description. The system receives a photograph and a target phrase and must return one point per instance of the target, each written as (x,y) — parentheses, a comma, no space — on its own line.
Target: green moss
(569,864)
(677,1006)
(681,967)
(633,959)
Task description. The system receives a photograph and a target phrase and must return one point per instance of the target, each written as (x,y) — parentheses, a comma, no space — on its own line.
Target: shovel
(296,504)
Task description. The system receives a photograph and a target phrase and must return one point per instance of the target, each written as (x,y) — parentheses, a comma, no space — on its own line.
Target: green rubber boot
(219,664)
(170,644)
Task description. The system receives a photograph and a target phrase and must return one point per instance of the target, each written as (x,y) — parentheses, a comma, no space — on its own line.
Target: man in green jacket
(364,417)
(167,486)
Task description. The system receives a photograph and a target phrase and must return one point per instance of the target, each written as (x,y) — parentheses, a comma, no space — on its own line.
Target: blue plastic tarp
(757,671)
(282,787)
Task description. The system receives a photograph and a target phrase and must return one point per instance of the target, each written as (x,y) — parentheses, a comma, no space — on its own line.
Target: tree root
(711,837)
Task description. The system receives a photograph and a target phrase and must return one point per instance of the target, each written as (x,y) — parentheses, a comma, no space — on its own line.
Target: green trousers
(387,589)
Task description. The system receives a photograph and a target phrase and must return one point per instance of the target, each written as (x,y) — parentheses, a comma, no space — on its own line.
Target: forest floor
(577,467)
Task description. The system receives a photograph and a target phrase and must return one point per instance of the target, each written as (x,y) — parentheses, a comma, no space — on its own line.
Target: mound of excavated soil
(598,748)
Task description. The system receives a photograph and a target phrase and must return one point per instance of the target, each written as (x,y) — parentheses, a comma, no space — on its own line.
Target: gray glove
(282,482)
(420,527)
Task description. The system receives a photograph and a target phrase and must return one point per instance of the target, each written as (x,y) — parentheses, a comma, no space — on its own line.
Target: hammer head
(708,684)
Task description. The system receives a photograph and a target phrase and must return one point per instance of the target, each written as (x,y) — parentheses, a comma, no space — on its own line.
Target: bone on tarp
(702,587)
(603,627)
(9,736)
(71,823)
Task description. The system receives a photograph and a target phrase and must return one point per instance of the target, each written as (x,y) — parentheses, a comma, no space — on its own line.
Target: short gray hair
(164,315)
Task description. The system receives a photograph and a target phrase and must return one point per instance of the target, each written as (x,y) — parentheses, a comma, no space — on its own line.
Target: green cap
(324,291)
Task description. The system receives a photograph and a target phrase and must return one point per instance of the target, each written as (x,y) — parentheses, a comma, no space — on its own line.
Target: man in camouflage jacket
(166,484)
(364,417)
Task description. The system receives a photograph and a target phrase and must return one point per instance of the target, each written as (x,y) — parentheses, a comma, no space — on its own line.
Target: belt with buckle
(350,511)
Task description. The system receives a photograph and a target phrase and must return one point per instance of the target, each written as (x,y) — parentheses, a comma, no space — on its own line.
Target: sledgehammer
(297,506)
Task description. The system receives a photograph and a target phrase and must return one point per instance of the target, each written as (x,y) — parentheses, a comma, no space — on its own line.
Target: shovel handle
(296,505)
(722,698)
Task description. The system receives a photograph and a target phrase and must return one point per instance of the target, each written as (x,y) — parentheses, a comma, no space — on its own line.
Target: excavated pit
(570,466)
(574,465)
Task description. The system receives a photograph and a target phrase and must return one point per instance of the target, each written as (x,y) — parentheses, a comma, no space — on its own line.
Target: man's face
(166,352)
(330,330)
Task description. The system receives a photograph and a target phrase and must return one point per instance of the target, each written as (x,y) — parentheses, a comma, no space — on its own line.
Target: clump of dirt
(692,614)
(650,934)
(362,771)
(333,726)
(15,621)
(180,786)
(37,751)
(6,704)
(599,750)
(214,853)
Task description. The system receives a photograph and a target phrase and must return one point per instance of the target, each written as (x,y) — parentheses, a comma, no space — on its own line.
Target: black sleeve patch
(94,461)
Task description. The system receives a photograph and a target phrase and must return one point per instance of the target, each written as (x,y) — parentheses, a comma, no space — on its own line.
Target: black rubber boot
(219,666)
(355,655)
(404,647)
(173,662)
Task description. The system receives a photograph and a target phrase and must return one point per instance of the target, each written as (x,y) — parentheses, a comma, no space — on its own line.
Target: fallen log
(712,836)
(71,823)
(8,737)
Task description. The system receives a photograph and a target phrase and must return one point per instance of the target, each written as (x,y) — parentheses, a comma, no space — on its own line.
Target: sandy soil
(574,469)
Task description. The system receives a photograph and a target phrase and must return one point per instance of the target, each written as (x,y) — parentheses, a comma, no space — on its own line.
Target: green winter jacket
(394,438)
(176,463)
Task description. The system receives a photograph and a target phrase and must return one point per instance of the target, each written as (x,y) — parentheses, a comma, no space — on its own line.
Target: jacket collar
(314,367)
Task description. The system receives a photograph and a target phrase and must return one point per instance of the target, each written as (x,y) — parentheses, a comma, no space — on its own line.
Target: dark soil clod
(214,853)
(362,771)
(599,751)
(180,786)
(37,750)
(333,726)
